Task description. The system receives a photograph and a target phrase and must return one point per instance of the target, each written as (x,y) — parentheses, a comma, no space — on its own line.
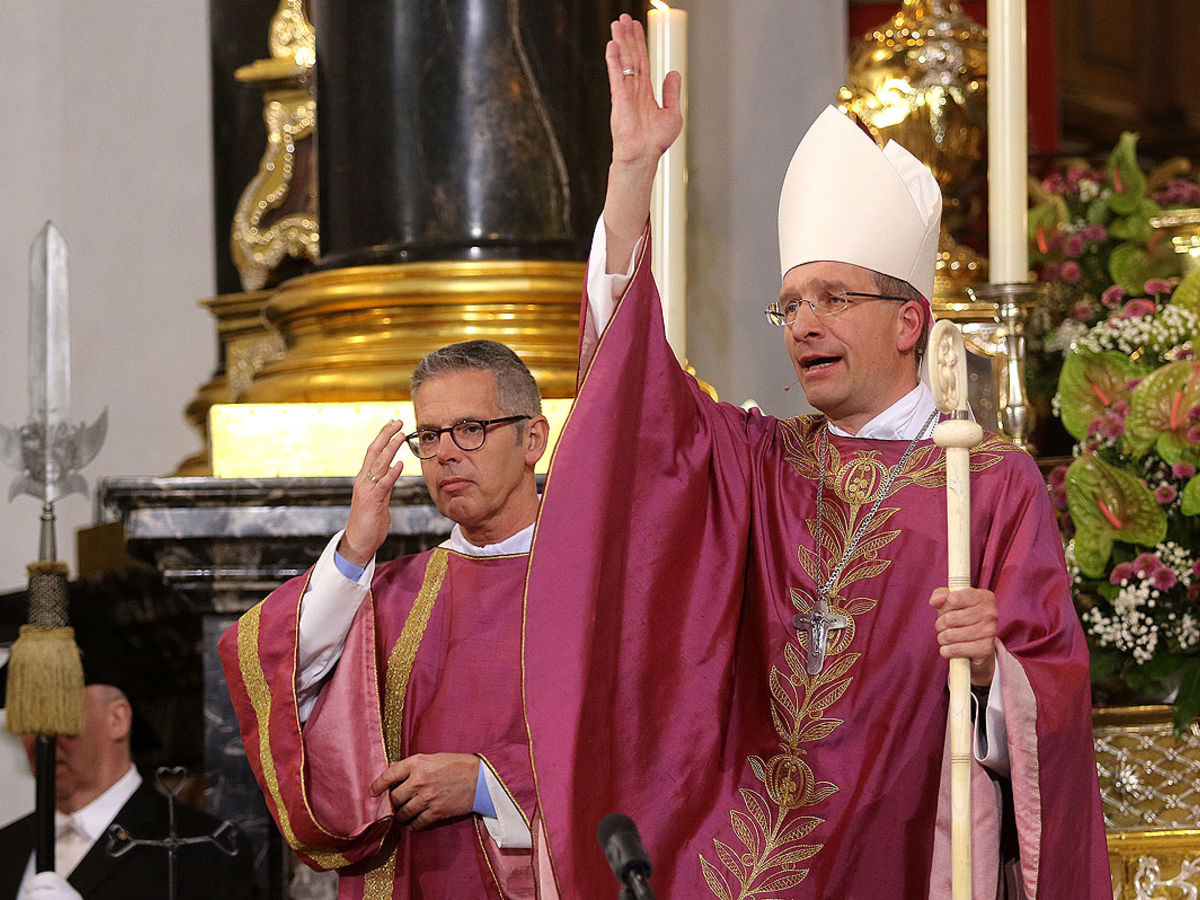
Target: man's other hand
(966,628)
(426,788)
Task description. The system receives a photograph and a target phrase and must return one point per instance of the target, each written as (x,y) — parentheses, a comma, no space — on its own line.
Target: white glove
(49,886)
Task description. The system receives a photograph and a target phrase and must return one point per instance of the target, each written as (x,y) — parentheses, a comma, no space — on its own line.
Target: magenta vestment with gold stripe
(431,665)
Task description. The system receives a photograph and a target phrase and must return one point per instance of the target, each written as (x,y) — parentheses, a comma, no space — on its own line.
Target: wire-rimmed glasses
(824,306)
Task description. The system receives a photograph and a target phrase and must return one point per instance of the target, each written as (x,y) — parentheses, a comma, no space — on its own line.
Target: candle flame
(660,5)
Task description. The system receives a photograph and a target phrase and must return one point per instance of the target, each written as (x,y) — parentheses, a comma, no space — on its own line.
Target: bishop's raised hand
(642,131)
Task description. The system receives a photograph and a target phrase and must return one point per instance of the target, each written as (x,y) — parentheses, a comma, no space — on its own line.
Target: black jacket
(203,872)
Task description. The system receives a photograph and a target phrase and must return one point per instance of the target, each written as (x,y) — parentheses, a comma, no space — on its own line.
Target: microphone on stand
(630,862)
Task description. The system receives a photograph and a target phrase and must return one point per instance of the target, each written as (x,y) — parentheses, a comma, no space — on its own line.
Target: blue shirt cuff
(483,799)
(347,568)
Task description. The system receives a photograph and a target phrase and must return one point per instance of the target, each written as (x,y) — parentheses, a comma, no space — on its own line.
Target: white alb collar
(901,421)
(518,543)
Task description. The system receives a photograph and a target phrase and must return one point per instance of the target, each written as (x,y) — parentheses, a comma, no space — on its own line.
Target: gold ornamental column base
(357,333)
(1150,790)
(246,344)
(1182,226)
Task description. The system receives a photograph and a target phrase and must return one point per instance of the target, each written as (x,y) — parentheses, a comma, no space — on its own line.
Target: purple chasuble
(665,679)
(431,665)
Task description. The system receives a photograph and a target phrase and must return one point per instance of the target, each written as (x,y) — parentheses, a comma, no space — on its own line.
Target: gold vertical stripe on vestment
(259,693)
(378,883)
(400,662)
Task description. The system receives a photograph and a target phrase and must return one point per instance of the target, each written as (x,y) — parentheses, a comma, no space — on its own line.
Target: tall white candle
(667,43)
(1008,144)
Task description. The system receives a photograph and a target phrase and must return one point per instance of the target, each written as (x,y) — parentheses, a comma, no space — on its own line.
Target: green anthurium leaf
(1126,176)
(1132,265)
(1098,212)
(1092,549)
(1187,295)
(1089,384)
(1189,499)
(1049,217)
(1108,504)
(1136,227)
(1131,228)
(1158,412)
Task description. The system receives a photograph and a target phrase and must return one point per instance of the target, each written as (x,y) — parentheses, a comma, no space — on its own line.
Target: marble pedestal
(223,544)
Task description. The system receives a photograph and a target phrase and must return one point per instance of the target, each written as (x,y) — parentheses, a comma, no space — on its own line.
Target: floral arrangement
(1129,503)
(1093,244)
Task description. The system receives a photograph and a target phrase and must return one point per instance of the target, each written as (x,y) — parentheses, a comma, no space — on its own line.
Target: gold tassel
(45,674)
(45,683)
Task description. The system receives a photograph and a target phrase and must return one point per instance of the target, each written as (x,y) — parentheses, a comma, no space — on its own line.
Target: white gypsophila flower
(1168,332)
(1133,632)
(1065,336)
(1072,564)
(1188,631)
(1088,190)
(1143,615)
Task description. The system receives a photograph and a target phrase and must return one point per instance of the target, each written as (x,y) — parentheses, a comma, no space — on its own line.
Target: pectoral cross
(817,624)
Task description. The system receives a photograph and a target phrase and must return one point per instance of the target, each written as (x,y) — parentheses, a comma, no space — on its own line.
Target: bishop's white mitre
(845,200)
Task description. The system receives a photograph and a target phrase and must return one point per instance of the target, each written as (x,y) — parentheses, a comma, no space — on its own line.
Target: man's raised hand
(641,133)
(370,513)
(641,129)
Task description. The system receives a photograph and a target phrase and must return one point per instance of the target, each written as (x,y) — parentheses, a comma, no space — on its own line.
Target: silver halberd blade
(46,450)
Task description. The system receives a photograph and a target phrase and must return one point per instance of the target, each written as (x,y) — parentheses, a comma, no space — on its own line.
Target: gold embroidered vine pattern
(771,828)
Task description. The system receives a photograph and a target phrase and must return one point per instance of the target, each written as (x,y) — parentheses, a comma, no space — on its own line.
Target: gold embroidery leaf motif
(773,829)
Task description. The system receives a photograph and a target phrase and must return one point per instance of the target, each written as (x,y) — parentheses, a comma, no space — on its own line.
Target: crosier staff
(957,435)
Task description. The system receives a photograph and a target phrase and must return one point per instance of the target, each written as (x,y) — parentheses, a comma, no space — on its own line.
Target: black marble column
(237,33)
(463,129)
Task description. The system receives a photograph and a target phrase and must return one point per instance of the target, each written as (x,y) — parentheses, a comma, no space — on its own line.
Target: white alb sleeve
(991,733)
(508,828)
(326,611)
(603,289)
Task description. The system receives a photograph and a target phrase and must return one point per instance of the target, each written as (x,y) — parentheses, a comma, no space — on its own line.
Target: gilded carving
(276,216)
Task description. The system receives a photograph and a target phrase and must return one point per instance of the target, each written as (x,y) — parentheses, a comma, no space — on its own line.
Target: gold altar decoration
(321,439)
(276,216)
(1182,226)
(1150,790)
(356,333)
(921,79)
(246,344)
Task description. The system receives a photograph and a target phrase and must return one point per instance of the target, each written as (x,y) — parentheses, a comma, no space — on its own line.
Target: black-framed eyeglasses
(824,306)
(469,434)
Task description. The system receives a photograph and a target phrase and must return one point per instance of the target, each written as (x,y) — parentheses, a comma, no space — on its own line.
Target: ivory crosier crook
(957,435)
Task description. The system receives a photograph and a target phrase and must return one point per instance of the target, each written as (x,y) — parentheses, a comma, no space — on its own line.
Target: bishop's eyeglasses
(469,434)
(824,306)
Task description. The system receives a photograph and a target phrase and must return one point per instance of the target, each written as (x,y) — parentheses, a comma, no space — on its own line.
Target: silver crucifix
(817,624)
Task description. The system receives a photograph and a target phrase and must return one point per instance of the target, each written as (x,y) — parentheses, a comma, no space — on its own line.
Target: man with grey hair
(380,706)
